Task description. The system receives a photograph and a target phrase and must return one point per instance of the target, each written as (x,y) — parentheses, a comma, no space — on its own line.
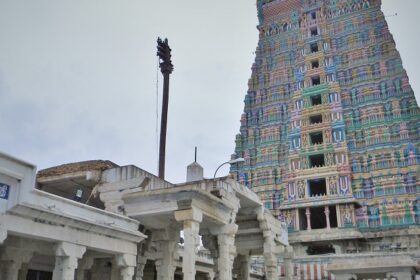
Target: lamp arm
(214,176)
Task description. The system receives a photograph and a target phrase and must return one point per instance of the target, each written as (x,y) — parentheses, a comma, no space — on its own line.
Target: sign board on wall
(4,191)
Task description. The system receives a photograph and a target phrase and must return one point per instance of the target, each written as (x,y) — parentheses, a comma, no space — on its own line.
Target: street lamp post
(228,162)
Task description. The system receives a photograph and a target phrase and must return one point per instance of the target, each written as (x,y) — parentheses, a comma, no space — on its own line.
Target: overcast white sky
(78,78)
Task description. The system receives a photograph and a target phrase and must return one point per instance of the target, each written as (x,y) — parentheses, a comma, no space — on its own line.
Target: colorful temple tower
(330,135)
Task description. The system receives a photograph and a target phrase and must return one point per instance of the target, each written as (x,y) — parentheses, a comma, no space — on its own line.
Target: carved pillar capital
(166,245)
(84,264)
(66,260)
(12,258)
(126,264)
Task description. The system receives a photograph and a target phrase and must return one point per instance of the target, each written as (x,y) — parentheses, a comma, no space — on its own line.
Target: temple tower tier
(330,136)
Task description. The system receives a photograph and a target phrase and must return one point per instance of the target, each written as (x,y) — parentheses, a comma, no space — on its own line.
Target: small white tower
(194,170)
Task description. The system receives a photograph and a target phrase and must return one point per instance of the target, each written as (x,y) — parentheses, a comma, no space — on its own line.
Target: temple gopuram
(330,135)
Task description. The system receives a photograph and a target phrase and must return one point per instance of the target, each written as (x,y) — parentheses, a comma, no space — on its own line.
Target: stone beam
(57,233)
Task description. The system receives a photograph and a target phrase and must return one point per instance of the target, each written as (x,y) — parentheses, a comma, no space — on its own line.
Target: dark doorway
(333,216)
(149,271)
(317,161)
(314,31)
(316,138)
(320,249)
(302,219)
(318,220)
(316,100)
(316,80)
(314,48)
(317,187)
(315,119)
(38,275)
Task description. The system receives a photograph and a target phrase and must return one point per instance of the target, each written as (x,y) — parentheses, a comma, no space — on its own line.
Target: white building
(96,220)
(44,234)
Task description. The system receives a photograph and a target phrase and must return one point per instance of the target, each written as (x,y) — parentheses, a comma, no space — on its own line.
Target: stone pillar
(271,266)
(244,269)
(227,251)
(270,256)
(141,263)
(191,219)
(66,260)
(23,272)
(288,264)
(327,216)
(166,244)
(100,269)
(115,271)
(165,269)
(84,265)
(353,214)
(270,248)
(126,264)
(12,259)
(297,219)
(210,243)
(10,271)
(308,218)
(127,273)
(142,249)
(3,234)
(337,209)
(209,276)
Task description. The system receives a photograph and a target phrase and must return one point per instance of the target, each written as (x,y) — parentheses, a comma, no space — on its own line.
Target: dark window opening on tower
(314,31)
(314,47)
(316,138)
(320,249)
(333,216)
(316,80)
(303,225)
(315,64)
(316,100)
(318,219)
(316,161)
(317,187)
(315,119)
(313,15)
